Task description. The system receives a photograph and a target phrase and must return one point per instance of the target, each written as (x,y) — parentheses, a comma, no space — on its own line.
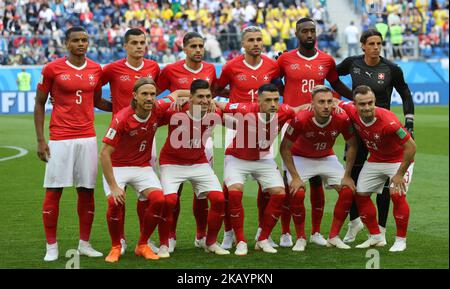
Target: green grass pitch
(22,239)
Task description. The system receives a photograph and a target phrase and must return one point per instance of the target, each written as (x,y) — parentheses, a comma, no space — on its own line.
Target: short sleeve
(112,136)
(224,78)
(293,130)
(46,81)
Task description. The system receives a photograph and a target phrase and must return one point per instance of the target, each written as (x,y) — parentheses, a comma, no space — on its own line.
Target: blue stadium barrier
(428,82)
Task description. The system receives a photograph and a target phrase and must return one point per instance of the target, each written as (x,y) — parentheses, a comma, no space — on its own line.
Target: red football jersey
(254,136)
(314,140)
(132,137)
(384,137)
(72,89)
(122,76)
(302,74)
(186,138)
(179,76)
(244,79)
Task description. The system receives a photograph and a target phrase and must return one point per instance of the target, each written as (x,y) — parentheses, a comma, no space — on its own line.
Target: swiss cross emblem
(381,76)
(266,78)
(320,67)
(376,136)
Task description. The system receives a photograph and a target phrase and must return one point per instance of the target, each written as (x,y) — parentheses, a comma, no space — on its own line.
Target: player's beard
(307,45)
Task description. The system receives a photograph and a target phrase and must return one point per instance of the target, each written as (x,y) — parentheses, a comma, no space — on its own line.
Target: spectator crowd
(33,30)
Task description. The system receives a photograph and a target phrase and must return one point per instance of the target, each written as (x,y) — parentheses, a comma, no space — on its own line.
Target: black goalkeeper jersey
(381,78)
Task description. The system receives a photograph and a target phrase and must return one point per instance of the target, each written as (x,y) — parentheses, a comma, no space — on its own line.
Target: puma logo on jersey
(309,66)
(256,78)
(79,76)
(322,133)
(369,74)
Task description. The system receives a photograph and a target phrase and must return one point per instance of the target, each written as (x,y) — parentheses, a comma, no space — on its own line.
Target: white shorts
(140,178)
(328,168)
(72,162)
(201,176)
(265,171)
(373,176)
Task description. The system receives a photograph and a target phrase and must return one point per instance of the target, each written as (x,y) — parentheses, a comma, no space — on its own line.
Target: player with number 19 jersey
(302,74)
(244,79)
(72,89)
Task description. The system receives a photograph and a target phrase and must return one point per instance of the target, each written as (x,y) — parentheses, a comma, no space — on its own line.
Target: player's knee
(217,201)
(236,187)
(235,199)
(171,200)
(277,191)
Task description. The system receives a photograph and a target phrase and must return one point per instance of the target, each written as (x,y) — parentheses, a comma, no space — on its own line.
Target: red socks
(86,208)
(50,212)
(215,215)
(226,220)
(271,215)
(262,201)
(368,213)
(141,207)
(286,214)
(341,210)
(317,205)
(114,218)
(237,214)
(401,214)
(298,213)
(153,215)
(200,209)
(170,201)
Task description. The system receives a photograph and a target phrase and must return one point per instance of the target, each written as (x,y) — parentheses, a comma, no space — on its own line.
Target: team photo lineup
(268,118)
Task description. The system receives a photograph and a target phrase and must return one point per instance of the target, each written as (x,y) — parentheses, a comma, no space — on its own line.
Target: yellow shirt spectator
(440,15)
(267,38)
(280,46)
(286,29)
(259,17)
(166,14)
(303,11)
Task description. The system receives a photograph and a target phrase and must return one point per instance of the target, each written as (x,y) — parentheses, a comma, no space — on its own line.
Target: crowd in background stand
(33,30)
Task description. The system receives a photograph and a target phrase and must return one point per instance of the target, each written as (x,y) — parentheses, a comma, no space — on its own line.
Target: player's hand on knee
(43,151)
(296,184)
(118,195)
(398,185)
(348,182)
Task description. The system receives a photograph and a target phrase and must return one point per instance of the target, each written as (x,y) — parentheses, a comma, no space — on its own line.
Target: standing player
(303,69)
(258,125)
(71,154)
(180,75)
(391,157)
(125,160)
(244,75)
(381,76)
(183,158)
(312,155)
(121,76)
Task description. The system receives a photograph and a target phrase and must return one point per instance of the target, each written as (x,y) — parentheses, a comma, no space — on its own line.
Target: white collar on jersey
(322,125)
(370,123)
(254,67)
(191,70)
(308,58)
(193,118)
(262,117)
(142,120)
(134,68)
(77,67)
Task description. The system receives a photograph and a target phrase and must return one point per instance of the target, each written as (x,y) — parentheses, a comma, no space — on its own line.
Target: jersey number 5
(80,98)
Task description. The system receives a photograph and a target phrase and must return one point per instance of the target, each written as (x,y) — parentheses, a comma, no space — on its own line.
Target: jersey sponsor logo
(295,66)
(64,77)
(125,78)
(381,76)
(111,133)
(401,133)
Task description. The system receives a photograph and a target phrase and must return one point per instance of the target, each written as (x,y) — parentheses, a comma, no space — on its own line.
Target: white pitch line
(21,153)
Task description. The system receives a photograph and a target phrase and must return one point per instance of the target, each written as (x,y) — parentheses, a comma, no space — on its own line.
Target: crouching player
(307,152)
(183,158)
(391,157)
(125,159)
